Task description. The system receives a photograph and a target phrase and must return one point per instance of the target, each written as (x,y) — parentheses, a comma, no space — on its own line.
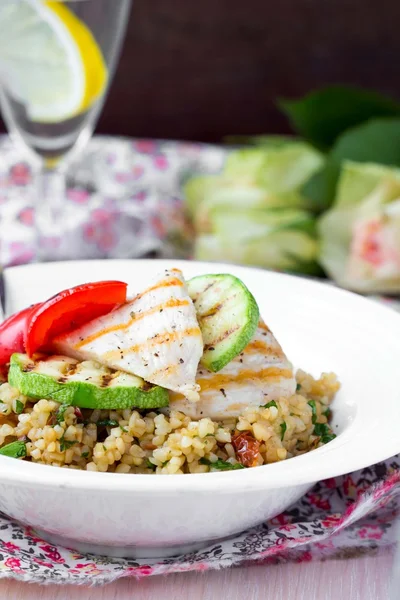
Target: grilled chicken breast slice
(155,336)
(261,373)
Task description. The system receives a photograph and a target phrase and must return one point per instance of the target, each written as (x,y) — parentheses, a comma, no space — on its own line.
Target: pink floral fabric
(125,200)
(341,517)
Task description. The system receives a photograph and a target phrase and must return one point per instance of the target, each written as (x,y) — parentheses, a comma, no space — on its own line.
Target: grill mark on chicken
(256,346)
(263,376)
(172,303)
(161,338)
(263,326)
(161,284)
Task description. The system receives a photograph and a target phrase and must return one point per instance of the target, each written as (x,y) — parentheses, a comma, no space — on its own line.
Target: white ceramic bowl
(320,327)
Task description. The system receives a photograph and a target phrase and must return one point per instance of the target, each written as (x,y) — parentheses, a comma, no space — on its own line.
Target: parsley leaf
(324,432)
(269,404)
(85,454)
(314,411)
(150,465)
(321,429)
(19,407)
(61,412)
(66,444)
(328,438)
(107,423)
(14,450)
(298,387)
(283,427)
(221,465)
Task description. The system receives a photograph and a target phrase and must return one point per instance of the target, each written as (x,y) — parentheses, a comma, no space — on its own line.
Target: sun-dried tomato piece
(247,448)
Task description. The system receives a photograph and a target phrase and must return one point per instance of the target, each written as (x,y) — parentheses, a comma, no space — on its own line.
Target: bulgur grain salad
(185,377)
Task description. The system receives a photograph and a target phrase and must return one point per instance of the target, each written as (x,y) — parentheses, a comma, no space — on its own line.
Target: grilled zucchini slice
(85,384)
(227,314)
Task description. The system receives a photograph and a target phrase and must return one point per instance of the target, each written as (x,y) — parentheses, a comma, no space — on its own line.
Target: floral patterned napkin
(124,196)
(341,517)
(123,200)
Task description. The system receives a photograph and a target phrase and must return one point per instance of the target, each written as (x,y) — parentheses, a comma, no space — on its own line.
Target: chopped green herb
(66,444)
(61,412)
(298,387)
(328,438)
(324,432)
(104,448)
(283,427)
(221,465)
(327,413)
(14,450)
(85,454)
(321,429)
(124,429)
(150,465)
(107,423)
(314,411)
(19,407)
(269,404)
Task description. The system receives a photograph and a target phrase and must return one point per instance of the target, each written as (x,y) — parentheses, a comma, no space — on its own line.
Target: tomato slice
(13,334)
(70,309)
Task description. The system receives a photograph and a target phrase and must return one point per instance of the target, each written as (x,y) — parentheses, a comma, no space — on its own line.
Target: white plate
(321,328)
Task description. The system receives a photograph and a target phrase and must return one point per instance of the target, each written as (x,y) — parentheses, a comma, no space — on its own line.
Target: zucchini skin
(81,393)
(217,353)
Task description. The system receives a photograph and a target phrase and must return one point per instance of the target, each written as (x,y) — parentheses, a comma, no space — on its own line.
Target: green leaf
(61,412)
(324,432)
(328,438)
(320,189)
(14,450)
(66,444)
(85,454)
(19,407)
(323,115)
(107,423)
(221,465)
(269,404)
(283,427)
(321,429)
(376,141)
(314,410)
(150,465)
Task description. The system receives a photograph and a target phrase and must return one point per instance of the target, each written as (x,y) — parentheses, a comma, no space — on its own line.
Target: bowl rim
(332,460)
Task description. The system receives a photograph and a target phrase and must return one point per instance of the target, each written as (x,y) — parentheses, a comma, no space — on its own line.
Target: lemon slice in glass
(49,59)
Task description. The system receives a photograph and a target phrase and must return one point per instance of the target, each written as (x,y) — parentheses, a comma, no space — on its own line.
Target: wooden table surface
(356,579)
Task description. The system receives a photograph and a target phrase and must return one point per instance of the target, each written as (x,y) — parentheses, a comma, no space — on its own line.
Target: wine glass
(57,59)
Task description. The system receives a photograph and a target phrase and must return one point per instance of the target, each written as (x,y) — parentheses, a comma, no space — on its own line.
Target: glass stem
(49,208)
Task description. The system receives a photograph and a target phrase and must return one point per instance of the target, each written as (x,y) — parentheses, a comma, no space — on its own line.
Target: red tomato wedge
(13,334)
(70,309)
